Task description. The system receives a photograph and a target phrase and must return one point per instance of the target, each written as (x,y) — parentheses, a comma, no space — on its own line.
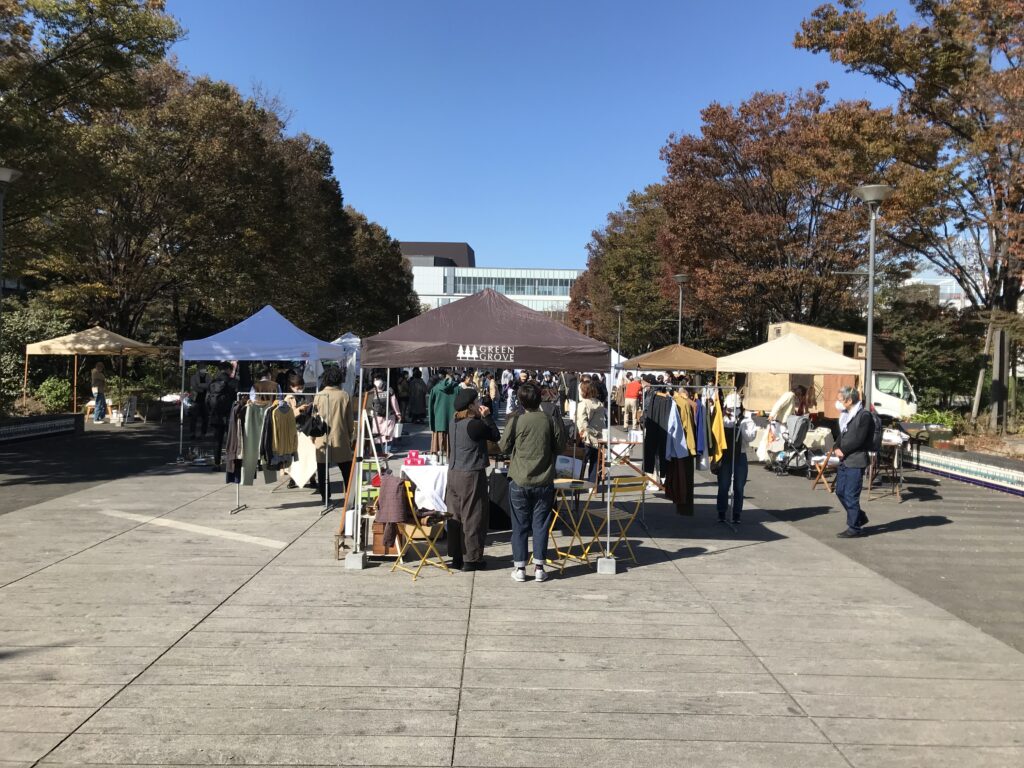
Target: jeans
(531,510)
(198,412)
(590,463)
(101,407)
(738,481)
(849,483)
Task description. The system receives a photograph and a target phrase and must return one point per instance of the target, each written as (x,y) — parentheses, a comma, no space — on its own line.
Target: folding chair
(623,512)
(567,493)
(823,464)
(420,535)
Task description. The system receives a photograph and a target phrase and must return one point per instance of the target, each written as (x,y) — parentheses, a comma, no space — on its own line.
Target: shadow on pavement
(908,524)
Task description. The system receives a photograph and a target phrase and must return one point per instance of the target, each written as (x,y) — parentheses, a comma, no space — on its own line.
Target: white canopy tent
(266,335)
(790,354)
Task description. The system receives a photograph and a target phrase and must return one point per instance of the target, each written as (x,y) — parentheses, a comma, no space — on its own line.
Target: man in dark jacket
(856,428)
(220,398)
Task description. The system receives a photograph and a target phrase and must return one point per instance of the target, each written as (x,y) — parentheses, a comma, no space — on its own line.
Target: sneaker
(539,574)
(736,521)
(850,534)
(519,574)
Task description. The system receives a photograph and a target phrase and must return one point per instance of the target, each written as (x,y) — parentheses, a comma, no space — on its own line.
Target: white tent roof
(349,341)
(267,335)
(790,354)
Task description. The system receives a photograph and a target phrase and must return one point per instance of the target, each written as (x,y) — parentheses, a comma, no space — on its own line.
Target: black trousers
(321,477)
(198,411)
(219,430)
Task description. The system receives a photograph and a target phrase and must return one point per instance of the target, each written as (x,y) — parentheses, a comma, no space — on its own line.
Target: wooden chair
(828,462)
(420,534)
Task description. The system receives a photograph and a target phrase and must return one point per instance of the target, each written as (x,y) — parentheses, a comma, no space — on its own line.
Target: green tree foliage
(377,289)
(26,322)
(625,267)
(62,62)
(942,346)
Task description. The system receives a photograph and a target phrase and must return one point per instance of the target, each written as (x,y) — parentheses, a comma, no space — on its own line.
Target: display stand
(358,481)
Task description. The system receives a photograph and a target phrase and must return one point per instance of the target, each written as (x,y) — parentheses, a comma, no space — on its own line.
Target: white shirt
(847,416)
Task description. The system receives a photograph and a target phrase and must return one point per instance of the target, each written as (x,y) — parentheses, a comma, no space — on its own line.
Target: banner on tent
(486,353)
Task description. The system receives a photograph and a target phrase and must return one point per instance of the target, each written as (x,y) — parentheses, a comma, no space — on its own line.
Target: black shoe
(475,565)
(291,484)
(862,520)
(736,521)
(721,518)
(457,565)
(850,534)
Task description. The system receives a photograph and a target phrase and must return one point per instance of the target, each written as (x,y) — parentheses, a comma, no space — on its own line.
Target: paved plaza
(141,624)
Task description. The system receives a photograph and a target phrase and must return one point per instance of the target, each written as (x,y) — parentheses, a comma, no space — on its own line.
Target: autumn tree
(957,70)
(759,213)
(625,268)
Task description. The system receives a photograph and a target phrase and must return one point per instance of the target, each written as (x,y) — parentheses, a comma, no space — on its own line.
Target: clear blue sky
(513,126)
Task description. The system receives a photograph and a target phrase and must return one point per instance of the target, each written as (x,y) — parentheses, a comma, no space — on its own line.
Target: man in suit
(856,429)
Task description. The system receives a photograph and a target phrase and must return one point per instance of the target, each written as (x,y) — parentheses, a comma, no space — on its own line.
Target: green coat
(441,405)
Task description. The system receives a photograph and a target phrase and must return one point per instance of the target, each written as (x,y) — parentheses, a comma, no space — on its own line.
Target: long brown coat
(335,407)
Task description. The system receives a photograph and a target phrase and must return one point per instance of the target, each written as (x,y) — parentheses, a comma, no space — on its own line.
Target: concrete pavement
(237,639)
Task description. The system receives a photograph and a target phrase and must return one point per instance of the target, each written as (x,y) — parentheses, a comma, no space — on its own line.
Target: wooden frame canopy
(92,341)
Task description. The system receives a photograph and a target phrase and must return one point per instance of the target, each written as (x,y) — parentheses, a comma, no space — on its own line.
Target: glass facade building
(546,290)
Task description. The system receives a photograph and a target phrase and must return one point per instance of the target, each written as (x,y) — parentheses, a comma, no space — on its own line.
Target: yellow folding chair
(420,535)
(623,512)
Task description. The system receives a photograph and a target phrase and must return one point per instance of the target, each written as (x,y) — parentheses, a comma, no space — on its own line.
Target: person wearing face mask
(385,412)
(740,430)
(856,428)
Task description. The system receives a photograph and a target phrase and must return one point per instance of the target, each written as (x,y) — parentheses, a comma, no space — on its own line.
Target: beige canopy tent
(675,357)
(93,341)
(790,354)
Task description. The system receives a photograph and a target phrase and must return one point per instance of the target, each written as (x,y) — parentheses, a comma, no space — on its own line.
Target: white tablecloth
(431,481)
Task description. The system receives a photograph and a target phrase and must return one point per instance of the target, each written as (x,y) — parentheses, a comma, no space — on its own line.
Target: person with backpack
(386,413)
(591,421)
(219,398)
(533,440)
(856,434)
(199,388)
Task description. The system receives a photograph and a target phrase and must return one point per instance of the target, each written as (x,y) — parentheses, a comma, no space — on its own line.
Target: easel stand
(355,479)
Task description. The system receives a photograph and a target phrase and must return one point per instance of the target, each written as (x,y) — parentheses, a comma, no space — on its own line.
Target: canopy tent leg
(356,559)
(74,391)
(607,563)
(181,415)
(24,385)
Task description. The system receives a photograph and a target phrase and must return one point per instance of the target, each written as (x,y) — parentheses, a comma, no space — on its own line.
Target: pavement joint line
(185,634)
(193,528)
(710,602)
(103,541)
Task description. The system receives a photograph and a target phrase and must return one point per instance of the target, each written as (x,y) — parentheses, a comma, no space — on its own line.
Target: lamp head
(682,278)
(874,194)
(7,175)
(618,308)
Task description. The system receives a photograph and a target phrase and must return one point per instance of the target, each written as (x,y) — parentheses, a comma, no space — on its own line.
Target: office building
(445,272)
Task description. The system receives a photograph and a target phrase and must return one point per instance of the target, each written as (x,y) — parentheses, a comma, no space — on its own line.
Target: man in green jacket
(533,439)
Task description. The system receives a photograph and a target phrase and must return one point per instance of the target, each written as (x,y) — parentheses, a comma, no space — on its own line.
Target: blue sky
(513,126)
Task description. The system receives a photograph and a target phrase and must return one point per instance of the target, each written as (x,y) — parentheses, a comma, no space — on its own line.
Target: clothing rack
(279,397)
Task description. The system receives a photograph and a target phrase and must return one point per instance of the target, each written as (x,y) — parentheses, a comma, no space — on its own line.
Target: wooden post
(24,384)
(74,392)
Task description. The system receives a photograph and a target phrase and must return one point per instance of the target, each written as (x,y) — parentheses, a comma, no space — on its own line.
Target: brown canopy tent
(675,357)
(93,341)
(486,329)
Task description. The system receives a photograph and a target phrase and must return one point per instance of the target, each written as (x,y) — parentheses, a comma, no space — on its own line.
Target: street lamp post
(873,195)
(618,344)
(7,175)
(587,324)
(681,280)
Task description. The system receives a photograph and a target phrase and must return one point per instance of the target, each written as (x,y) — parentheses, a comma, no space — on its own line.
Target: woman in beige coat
(591,421)
(334,406)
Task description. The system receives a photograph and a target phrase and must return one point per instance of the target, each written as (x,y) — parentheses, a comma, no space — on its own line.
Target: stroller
(794,453)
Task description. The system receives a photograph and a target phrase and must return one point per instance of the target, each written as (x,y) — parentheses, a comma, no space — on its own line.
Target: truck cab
(892,395)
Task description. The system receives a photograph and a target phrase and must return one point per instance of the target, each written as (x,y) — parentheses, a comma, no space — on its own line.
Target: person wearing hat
(740,430)
(466,495)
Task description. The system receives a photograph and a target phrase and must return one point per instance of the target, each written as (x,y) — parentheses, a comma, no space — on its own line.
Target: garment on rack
(232,451)
(656,432)
(392,506)
(717,445)
(284,436)
(701,420)
(679,484)
(686,414)
(255,416)
(676,442)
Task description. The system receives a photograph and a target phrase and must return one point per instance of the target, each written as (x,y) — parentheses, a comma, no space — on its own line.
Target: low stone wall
(31,427)
(995,472)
